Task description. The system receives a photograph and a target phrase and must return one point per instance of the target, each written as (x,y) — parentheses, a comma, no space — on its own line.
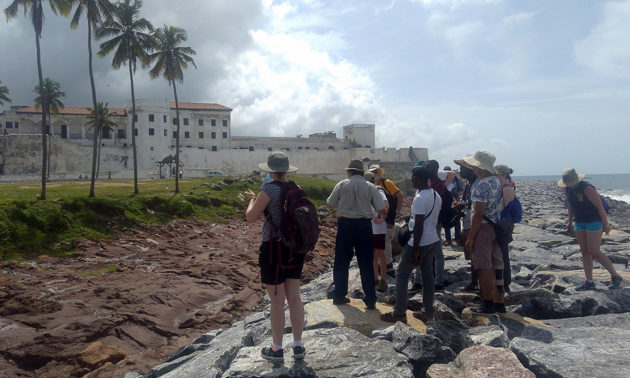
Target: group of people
(366,206)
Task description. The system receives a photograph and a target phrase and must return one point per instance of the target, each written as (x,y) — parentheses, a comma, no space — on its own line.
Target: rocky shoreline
(550,330)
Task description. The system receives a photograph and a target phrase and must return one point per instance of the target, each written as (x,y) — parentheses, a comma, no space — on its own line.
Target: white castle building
(206,144)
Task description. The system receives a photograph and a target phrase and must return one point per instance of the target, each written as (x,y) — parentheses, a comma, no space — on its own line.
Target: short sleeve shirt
(422,203)
(389,187)
(489,191)
(354,198)
(379,228)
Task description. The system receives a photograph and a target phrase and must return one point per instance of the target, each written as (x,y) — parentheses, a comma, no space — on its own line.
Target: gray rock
(132,374)
(166,367)
(516,296)
(207,337)
(453,303)
(453,334)
(420,349)
(492,335)
(383,333)
(340,352)
(219,354)
(577,347)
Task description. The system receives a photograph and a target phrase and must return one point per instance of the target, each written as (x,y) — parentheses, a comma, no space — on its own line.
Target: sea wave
(618,195)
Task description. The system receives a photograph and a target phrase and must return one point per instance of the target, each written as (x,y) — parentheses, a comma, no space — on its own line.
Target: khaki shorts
(486,253)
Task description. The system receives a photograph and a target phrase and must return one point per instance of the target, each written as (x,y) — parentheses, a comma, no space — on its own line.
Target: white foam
(618,195)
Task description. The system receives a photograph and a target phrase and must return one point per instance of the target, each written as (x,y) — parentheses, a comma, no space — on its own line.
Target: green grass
(30,227)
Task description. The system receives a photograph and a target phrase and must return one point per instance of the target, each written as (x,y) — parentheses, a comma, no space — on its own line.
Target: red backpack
(299,228)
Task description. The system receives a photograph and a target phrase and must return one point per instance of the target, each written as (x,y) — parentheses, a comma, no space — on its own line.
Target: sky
(543,85)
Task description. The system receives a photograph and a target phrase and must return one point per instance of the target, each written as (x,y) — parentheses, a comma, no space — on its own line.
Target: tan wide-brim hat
(482,160)
(376,169)
(570,178)
(277,162)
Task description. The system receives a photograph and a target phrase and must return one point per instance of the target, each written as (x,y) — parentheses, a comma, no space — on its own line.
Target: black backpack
(299,228)
(392,200)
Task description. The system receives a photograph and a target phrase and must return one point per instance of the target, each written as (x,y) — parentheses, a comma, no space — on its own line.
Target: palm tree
(131,43)
(4,94)
(35,10)
(96,11)
(98,120)
(49,99)
(170,60)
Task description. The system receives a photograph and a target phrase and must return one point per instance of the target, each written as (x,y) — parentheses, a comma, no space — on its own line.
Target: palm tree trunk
(95,141)
(133,129)
(100,145)
(176,139)
(49,143)
(44,144)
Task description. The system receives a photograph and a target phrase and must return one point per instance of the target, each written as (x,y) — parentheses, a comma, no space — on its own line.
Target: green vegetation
(30,227)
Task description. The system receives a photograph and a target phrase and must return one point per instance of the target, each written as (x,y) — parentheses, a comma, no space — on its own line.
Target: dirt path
(126,305)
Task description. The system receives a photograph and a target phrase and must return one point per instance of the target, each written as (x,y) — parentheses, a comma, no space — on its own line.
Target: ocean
(615,186)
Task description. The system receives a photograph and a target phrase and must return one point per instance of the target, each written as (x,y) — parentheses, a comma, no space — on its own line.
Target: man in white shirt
(420,250)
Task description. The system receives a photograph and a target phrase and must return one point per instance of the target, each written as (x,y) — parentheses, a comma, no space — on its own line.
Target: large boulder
(421,349)
(340,352)
(577,347)
(481,361)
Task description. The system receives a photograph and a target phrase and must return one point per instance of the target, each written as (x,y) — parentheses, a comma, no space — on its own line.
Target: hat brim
(354,169)
(462,162)
(265,167)
(471,161)
(581,177)
(381,171)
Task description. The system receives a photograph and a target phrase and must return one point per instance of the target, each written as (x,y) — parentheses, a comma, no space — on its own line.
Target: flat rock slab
(354,315)
(577,347)
(481,361)
(338,352)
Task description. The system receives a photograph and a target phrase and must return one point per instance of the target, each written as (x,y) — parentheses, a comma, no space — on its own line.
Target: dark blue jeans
(354,235)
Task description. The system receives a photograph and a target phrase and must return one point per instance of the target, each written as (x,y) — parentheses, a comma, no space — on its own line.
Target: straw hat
(374,168)
(570,178)
(482,160)
(355,165)
(277,162)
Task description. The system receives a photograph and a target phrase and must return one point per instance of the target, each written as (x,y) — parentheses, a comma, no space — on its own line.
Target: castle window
(165,132)
(299,148)
(185,121)
(164,118)
(331,147)
(174,134)
(135,132)
(17,125)
(201,135)
(106,133)
(213,135)
(175,121)
(151,118)
(186,134)
(251,148)
(151,131)
(135,118)
(224,135)
(200,121)
(213,122)
(308,148)
(225,122)
(269,149)
(9,125)
(214,148)
(121,134)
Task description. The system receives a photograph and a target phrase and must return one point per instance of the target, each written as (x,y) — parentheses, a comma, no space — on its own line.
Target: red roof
(73,110)
(199,106)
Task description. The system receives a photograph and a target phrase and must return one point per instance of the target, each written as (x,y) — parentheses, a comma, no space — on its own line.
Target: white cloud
(604,50)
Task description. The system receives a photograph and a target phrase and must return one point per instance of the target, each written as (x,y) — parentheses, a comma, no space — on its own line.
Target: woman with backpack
(585,207)
(507,220)
(280,270)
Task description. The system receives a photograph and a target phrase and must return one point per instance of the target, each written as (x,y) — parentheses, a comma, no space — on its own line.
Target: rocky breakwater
(550,330)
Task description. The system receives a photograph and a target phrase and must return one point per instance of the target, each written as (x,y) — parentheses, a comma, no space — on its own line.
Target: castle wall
(21,156)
